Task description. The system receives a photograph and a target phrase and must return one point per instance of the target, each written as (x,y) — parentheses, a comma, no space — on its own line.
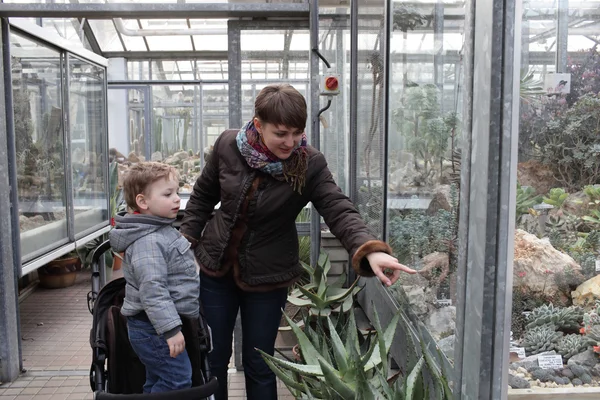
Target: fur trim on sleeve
(359,260)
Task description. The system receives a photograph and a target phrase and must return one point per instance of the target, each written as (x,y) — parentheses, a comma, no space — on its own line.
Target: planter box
(571,393)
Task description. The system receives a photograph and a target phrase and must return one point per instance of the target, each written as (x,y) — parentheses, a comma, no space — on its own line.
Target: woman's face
(281,140)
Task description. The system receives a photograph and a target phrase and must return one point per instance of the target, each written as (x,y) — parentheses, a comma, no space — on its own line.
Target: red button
(331,83)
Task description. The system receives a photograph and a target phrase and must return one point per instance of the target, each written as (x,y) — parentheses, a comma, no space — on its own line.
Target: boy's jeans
(163,373)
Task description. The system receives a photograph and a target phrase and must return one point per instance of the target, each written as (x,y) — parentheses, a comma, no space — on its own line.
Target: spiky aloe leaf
(309,353)
(299,302)
(283,375)
(339,352)
(435,373)
(352,338)
(314,370)
(341,296)
(317,301)
(411,382)
(384,341)
(310,270)
(345,389)
(324,263)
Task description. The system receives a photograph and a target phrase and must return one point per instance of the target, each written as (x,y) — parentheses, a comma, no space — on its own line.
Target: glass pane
(106,35)
(557,246)
(174,43)
(67,28)
(138,70)
(38,116)
(88,143)
(423,163)
(206,70)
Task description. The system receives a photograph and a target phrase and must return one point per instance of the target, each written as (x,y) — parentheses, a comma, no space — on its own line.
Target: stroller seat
(116,371)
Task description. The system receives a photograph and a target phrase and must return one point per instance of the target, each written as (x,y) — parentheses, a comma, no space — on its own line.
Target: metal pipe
(12,171)
(123,30)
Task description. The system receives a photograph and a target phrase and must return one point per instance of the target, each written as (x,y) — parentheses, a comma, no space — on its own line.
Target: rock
(521,370)
(156,156)
(441,321)
(576,204)
(577,382)
(447,346)
(133,158)
(596,370)
(587,293)
(516,382)
(537,175)
(586,379)
(441,200)
(587,359)
(543,375)
(578,370)
(535,262)
(181,155)
(417,299)
(559,380)
(568,373)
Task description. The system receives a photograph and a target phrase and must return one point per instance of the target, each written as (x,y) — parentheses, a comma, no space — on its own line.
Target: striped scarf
(258,156)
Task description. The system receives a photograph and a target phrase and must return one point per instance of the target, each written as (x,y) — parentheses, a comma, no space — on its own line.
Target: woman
(264,175)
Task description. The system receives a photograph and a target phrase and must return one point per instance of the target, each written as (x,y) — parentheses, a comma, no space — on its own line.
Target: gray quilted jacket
(159,268)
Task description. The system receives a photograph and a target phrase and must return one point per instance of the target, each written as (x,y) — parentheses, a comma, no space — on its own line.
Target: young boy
(161,275)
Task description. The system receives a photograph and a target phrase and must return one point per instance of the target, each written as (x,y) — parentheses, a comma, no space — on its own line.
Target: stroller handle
(205,391)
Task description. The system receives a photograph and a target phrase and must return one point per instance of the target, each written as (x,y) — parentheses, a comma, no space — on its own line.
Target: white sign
(556,84)
(519,350)
(550,361)
(597,265)
(443,302)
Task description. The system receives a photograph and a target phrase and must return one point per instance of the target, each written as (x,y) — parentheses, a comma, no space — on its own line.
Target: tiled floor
(55,326)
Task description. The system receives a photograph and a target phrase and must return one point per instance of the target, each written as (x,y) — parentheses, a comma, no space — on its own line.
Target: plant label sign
(556,84)
(519,350)
(553,361)
(598,265)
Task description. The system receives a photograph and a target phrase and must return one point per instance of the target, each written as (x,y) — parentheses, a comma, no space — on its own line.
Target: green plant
(530,88)
(570,345)
(526,199)
(320,297)
(540,339)
(157,133)
(556,197)
(352,371)
(569,143)
(559,317)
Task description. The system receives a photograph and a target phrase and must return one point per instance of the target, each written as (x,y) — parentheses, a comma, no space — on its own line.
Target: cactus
(556,197)
(562,318)
(570,345)
(541,338)
(158,134)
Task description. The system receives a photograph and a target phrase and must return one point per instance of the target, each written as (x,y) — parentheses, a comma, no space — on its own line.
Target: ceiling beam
(155,10)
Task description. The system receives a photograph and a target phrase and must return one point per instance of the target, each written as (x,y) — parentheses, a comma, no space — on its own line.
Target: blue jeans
(261,314)
(163,373)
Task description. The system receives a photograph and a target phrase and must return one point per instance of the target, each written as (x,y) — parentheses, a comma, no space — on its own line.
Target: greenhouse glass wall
(465,132)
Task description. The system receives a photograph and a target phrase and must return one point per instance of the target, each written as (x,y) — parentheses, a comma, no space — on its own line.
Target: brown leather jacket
(254,231)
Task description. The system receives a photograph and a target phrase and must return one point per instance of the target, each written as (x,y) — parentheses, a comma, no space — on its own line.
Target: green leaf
(339,352)
(332,377)
(298,302)
(411,381)
(283,375)
(317,301)
(324,263)
(314,370)
(309,353)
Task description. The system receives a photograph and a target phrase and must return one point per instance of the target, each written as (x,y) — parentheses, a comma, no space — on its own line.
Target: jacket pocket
(184,257)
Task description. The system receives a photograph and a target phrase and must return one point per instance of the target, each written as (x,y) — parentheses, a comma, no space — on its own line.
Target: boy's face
(281,140)
(161,200)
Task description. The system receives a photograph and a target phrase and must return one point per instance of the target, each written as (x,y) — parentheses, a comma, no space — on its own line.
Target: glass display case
(59,112)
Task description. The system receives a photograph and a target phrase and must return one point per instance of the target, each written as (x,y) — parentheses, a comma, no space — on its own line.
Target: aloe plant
(318,295)
(351,371)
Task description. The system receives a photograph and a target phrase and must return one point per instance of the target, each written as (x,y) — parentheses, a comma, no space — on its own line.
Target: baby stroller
(124,375)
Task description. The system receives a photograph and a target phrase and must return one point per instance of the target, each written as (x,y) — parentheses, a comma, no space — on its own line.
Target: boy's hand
(176,344)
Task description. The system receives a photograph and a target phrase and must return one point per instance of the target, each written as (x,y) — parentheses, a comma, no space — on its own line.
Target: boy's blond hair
(141,175)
